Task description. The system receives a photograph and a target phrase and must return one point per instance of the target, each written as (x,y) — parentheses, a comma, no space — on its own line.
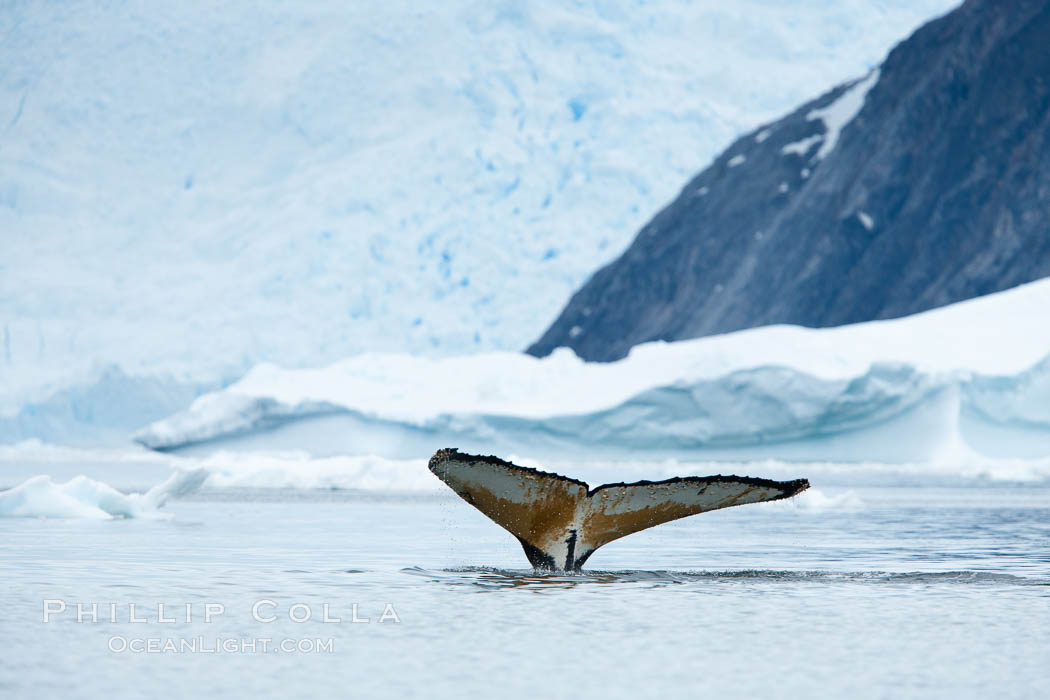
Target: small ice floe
(865,220)
(783,187)
(736,160)
(762,135)
(575,331)
(702,191)
(81,497)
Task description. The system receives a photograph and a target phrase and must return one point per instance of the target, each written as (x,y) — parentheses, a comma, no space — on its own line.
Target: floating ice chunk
(865,220)
(842,111)
(762,135)
(736,160)
(81,497)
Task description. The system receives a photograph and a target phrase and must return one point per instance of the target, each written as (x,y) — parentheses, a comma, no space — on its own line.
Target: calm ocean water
(883,592)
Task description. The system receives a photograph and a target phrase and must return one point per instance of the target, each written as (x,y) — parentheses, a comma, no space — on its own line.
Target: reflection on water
(489,578)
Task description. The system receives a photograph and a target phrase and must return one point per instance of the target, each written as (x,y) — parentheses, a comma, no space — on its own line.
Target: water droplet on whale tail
(561,521)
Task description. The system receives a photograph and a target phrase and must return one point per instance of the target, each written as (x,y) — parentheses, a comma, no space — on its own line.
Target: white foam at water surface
(816,501)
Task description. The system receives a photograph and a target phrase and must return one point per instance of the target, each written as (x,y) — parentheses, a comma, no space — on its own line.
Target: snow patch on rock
(842,111)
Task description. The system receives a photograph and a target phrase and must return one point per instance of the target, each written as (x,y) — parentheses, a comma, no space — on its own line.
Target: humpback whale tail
(561,521)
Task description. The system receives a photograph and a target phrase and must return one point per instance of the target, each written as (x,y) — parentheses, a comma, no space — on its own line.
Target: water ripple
(492,578)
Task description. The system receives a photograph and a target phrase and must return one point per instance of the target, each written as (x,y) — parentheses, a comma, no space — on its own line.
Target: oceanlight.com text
(120,644)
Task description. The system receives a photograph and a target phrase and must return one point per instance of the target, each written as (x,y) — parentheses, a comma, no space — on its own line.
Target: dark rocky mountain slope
(925,183)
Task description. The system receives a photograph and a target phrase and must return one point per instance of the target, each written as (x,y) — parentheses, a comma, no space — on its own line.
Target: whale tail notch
(561,521)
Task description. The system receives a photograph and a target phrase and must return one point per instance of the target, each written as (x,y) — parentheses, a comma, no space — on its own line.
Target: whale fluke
(561,521)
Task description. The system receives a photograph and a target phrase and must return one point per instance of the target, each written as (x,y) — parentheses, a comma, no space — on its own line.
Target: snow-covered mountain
(192,188)
(968,382)
(922,183)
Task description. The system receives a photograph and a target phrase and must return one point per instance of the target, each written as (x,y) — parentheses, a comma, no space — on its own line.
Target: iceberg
(966,382)
(82,497)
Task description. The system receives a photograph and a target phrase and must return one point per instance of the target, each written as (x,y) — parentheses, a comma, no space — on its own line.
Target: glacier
(965,383)
(190,190)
